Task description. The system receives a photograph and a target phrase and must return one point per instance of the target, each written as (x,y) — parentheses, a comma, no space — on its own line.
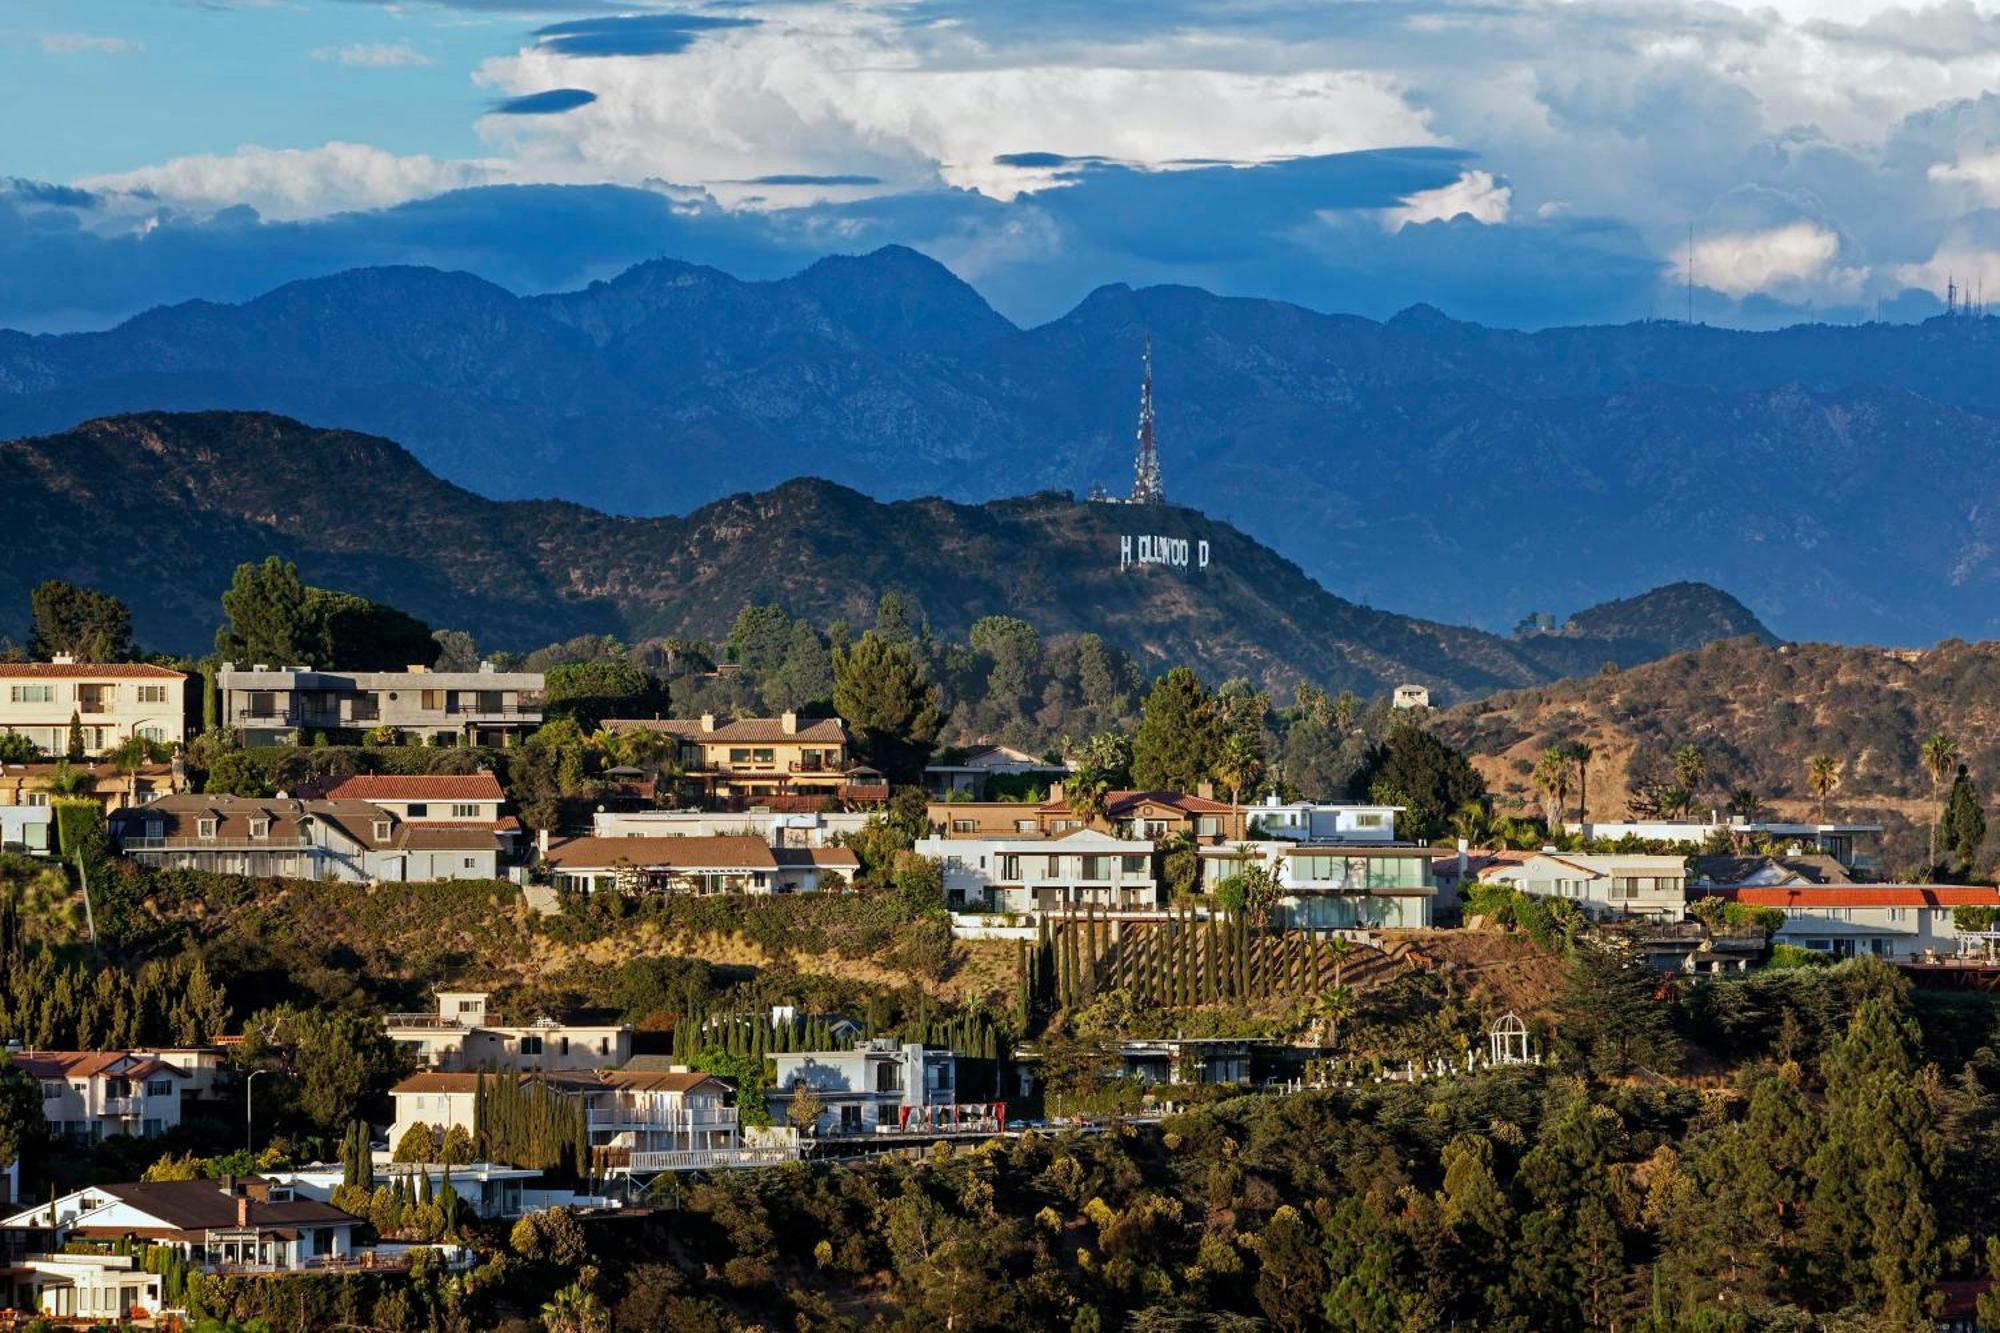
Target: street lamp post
(249,1138)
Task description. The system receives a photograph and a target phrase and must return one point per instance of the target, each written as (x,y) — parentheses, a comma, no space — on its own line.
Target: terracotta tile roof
(88,671)
(722,852)
(436,1082)
(755,730)
(826,858)
(90,1064)
(1118,803)
(642,1080)
(1861,895)
(408,787)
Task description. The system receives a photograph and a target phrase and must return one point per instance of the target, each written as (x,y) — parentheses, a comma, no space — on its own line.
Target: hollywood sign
(1174,552)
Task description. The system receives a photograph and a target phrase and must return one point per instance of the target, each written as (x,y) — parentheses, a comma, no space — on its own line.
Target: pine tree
(1177,735)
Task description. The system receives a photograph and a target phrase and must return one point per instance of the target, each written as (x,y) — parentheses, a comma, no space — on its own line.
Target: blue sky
(1522,162)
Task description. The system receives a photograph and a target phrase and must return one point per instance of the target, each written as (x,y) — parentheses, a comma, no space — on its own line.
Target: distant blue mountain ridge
(1843,481)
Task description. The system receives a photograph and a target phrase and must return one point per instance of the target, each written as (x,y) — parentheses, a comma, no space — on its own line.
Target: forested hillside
(173,503)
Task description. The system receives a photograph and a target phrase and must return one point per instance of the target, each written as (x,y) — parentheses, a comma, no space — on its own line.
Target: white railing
(636,1118)
(708,1159)
(122,1106)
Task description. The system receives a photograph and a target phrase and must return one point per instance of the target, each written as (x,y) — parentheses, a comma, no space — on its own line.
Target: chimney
(486,668)
(1463,847)
(708,722)
(243,1210)
(542,841)
(1055,791)
(789,723)
(1205,790)
(63,659)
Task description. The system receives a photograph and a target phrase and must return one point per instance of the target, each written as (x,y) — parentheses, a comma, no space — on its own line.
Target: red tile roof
(409,787)
(1118,803)
(89,1064)
(1861,895)
(88,671)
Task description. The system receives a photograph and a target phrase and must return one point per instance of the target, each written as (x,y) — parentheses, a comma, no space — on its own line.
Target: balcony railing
(424,1020)
(233,843)
(636,1118)
(123,1106)
(703,1159)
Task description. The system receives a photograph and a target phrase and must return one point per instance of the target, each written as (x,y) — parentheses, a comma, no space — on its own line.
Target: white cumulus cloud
(296,182)
(1795,261)
(1475,194)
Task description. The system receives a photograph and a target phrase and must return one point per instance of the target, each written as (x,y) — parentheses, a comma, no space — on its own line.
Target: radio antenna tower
(1146,487)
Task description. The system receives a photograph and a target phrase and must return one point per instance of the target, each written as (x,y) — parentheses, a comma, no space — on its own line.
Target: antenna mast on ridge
(1146,487)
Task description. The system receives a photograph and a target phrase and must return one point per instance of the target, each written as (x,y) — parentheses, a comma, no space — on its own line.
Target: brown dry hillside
(1758,713)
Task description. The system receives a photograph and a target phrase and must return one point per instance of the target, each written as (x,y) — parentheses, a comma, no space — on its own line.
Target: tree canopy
(88,625)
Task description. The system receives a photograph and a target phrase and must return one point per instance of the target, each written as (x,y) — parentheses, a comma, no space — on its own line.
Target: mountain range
(159,508)
(1845,481)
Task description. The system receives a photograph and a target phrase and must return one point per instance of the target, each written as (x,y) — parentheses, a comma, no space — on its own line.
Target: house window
(471,863)
(52,1092)
(37,798)
(465,810)
(1010,867)
(1208,826)
(382,830)
(963,825)
(32,694)
(1368,821)
(206,827)
(260,828)
(764,756)
(416,810)
(432,701)
(531,1045)
(739,756)
(151,732)
(1024,826)
(1133,865)
(152,694)
(159,1087)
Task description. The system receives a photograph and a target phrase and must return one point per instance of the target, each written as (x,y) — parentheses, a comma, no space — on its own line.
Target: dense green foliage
(88,625)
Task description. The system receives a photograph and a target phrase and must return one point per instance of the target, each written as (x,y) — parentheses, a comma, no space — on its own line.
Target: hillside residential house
(812,828)
(1765,872)
(28,830)
(437,800)
(782,761)
(461,1035)
(971,774)
(1410,696)
(1604,884)
(488,1189)
(1899,922)
(89,1096)
(111,701)
(1156,816)
(95,1289)
(1307,821)
(294,839)
(878,1087)
(1329,886)
(632,1117)
(248,1223)
(1849,844)
(271,705)
(28,784)
(1045,874)
(701,866)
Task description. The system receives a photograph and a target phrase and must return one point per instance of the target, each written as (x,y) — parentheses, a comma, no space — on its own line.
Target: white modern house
(817,828)
(89,1096)
(1328,886)
(1604,884)
(1037,874)
(462,1035)
(1850,844)
(972,773)
(1899,922)
(1307,821)
(878,1087)
(28,830)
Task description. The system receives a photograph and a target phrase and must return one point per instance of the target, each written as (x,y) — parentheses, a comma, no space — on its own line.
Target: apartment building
(1035,873)
(1899,922)
(1330,886)
(880,1086)
(89,1096)
(1157,816)
(462,1035)
(110,701)
(1604,884)
(275,705)
(296,839)
(781,762)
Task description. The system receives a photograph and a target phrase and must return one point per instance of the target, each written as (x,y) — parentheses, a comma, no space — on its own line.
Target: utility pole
(249,1137)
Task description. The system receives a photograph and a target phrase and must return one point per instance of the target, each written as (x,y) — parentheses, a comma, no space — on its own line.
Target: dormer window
(206,827)
(382,827)
(260,828)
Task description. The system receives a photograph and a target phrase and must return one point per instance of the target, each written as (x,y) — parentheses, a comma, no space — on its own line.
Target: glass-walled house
(1335,887)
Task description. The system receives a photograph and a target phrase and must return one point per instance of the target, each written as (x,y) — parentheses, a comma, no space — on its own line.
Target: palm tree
(1823,777)
(1086,794)
(1552,776)
(574,1310)
(69,780)
(1239,765)
(1581,753)
(1690,770)
(1939,755)
(1470,823)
